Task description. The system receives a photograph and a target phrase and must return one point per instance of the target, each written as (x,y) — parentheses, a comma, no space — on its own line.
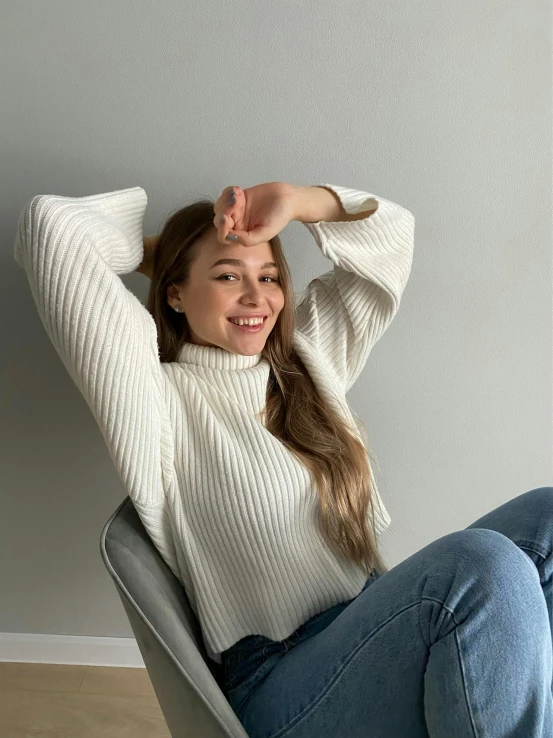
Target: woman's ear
(172,292)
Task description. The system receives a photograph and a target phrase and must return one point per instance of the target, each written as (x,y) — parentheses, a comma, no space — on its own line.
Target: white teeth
(251,321)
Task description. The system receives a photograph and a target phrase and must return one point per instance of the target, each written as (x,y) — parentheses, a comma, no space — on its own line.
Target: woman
(252,476)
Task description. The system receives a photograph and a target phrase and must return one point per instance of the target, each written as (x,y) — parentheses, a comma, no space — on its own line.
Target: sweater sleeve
(73,249)
(347,309)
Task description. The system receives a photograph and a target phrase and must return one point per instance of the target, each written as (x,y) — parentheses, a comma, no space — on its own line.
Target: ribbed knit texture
(230,509)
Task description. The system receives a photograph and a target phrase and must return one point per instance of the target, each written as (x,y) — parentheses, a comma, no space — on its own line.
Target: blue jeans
(453,642)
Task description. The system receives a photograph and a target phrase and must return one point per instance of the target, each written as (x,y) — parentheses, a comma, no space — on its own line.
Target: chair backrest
(186,681)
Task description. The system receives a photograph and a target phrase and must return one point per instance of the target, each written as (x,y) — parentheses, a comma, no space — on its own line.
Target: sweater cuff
(118,226)
(353,201)
(112,221)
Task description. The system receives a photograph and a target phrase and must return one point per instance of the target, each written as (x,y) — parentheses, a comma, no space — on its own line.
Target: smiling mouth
(247,325)
(245,328)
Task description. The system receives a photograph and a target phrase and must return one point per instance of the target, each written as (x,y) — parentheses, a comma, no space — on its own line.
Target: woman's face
(218,291)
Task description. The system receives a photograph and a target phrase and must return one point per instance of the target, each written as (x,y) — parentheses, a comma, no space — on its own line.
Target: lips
(259,316)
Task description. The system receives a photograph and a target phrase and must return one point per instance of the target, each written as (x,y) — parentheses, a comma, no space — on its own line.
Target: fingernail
(232,199)
(231,237)
(222,220)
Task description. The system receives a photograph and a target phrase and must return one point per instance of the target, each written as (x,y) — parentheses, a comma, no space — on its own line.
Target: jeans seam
(335,678)
(247,698)
(445,607)
(464,677)
(240,679)
(459,656)
(530,547)
(235,681)
(297,718)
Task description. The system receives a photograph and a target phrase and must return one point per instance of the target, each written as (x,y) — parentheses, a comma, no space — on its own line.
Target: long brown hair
(295,412)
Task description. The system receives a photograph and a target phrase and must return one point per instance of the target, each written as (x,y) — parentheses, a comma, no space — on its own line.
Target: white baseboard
(61,649)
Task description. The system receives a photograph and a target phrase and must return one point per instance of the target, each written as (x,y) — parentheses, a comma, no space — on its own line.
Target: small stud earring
(176,309)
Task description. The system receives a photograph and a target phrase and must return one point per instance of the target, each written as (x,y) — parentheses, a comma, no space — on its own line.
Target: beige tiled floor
(57,701)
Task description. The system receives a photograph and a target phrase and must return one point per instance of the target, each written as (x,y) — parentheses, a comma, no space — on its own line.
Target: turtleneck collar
(214,357)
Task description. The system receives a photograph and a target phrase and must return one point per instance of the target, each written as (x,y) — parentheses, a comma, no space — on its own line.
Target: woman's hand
(257,214)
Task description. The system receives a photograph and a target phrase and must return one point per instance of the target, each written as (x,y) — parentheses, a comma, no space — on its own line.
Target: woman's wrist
(318,203)
(313,204)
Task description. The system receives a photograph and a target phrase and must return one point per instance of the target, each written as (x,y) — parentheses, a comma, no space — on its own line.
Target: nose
(253,295)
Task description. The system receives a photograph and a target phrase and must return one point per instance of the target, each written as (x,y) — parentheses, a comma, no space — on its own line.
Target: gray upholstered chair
(186,682)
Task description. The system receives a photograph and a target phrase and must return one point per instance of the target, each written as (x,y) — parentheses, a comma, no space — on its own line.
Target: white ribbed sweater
(230,509)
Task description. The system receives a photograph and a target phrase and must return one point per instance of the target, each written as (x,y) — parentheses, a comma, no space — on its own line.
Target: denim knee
(486,555)
(539,501)
(472,572)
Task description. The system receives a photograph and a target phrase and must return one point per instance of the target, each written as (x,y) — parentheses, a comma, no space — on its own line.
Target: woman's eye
(232,275)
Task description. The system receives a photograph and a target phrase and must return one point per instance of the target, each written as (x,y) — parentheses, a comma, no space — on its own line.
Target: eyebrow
(240,263)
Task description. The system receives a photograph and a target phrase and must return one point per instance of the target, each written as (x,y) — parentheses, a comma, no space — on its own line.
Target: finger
(225,199)
(224,211)
(257,236)
(224,224)
(223,219)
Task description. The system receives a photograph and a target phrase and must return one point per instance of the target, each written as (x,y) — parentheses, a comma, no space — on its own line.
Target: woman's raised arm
(73,250)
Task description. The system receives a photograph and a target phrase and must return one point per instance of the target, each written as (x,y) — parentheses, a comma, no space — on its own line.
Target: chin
(251,351)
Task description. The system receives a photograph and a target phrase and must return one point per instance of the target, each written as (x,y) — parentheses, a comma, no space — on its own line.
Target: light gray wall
(443,107)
